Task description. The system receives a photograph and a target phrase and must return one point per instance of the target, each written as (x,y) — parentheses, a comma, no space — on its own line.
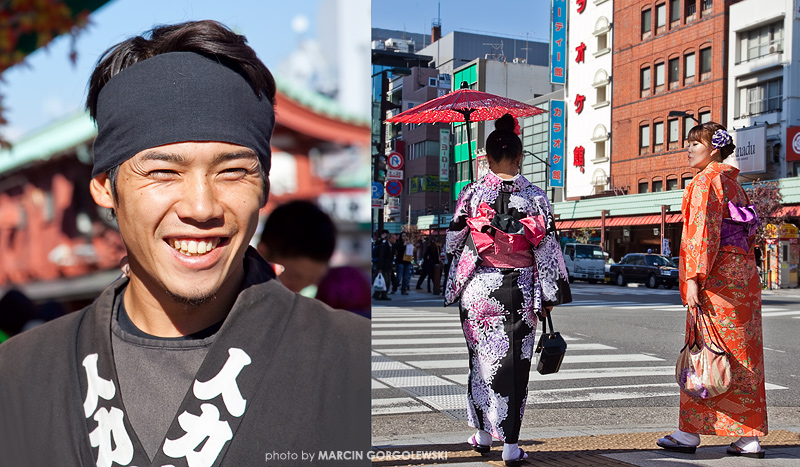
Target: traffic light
(379,167)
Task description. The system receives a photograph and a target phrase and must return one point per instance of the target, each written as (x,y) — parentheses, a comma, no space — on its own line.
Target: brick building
(669,56)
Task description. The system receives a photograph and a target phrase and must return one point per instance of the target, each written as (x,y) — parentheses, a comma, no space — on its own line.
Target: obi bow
(745,215)
(502,233)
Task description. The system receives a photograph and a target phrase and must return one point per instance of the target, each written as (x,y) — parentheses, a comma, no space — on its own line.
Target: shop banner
(444,155)
(750,155)
(557,144)
(558,41)
(793,143)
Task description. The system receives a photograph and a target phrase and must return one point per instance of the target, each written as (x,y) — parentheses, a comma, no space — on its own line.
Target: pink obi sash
(504,242)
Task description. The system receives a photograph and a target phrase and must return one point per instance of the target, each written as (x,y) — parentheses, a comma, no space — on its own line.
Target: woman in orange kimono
(718,274)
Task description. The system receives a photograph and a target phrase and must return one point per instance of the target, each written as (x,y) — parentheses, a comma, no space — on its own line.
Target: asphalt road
(619,368)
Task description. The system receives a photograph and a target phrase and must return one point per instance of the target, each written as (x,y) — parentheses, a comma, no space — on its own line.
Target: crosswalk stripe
(463,349)
(588,373)
(397,405)
(447,318)
(452,324)
(434,341)
(378,385)
(417,332)
(778,313)
(568,359)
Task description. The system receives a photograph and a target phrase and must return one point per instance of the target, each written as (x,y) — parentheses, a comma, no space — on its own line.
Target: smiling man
(197,356)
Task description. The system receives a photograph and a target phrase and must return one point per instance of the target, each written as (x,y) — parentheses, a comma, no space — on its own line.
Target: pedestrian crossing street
(420,364)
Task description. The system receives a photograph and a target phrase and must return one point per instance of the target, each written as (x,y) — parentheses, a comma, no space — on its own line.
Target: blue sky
(509,18)
(49,86)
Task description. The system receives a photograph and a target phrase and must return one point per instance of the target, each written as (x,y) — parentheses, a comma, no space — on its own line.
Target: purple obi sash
(742,224)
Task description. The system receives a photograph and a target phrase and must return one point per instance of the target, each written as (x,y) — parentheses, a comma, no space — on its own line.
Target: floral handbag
(703,369)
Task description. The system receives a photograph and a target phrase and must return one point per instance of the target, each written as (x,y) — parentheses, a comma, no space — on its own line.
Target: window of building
(673,134)
(600,138)
(659,78)
(645,82)
(646,24)
(600,150)
(674,73)
(689,6)
(705,64)
(674,12)
(601,28)
(644,139)
(600,83)
(661,18)
(706,6)
(672,184)
(601,95)
(658,136)
(644,186)
(688,69)
(761,41)
(688,124)
(658,185)
(686,180)
(705,117)
(761,98)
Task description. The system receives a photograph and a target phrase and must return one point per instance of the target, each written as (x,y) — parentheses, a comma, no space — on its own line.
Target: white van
(585,262)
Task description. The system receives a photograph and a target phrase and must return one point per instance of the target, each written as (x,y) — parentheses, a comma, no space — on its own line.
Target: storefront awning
(653,219)
(789,211)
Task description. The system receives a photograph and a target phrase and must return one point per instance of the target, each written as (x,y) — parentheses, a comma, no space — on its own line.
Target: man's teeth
(194,248)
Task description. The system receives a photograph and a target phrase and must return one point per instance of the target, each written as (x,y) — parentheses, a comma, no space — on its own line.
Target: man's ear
(100,187)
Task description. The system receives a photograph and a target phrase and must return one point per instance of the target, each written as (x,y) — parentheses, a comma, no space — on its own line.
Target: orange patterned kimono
(731,294)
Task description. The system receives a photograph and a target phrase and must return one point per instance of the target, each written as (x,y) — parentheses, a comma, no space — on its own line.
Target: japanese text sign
(557,144)
(558,41)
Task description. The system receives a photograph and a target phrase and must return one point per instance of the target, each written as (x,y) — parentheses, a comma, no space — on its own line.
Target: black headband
(177,97)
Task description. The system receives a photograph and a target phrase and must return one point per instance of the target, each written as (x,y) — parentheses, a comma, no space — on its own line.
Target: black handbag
(552,348)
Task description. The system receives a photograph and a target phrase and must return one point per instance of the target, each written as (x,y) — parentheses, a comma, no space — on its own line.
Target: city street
(617,375)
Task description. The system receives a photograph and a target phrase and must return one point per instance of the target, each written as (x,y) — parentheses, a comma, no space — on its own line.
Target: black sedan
(650,269)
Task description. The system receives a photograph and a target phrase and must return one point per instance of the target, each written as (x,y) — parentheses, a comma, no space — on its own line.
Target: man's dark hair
(299,229)
(209,38)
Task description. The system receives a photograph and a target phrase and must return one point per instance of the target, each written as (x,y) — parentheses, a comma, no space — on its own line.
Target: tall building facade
(670,57)
(763,87)
(589,97)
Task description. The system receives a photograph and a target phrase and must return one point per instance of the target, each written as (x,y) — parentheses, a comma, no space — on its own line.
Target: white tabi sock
(511,452)
(689,439)
(749,444)
(483,438)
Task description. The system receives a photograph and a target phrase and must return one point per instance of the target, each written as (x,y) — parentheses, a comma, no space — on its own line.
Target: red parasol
(465,105)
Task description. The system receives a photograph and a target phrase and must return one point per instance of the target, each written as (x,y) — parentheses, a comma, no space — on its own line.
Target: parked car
(607,271)
(584,261)
(675,260)
(648,268)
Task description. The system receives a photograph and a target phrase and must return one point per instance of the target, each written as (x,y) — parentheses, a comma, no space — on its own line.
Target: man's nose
(200,201)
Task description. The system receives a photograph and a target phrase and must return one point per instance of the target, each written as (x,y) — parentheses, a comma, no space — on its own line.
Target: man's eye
(163,174)
(237,172)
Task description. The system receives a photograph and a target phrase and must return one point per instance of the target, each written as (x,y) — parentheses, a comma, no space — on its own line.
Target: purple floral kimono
(506,266)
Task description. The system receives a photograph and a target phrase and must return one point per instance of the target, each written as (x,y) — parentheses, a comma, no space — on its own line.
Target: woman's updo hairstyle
(503,144)
(714,136)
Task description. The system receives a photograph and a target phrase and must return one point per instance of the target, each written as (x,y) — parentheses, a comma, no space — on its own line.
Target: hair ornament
(721,139)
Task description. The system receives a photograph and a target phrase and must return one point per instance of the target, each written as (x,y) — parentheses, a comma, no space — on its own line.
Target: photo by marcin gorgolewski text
(285,458)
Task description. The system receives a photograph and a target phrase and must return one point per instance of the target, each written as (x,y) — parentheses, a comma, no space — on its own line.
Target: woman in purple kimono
(507,269)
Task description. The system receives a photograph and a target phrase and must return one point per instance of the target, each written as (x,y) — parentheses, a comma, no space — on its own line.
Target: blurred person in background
(17,311)
(298,239)
(346,288)
(196,356)
(403,251)
(384,261)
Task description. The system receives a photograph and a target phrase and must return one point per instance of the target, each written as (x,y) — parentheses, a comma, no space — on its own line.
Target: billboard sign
(558,41)
(750,155)
(444,155)
(557,144)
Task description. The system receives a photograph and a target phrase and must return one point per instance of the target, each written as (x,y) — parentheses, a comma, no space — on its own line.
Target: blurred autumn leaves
(26,25)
